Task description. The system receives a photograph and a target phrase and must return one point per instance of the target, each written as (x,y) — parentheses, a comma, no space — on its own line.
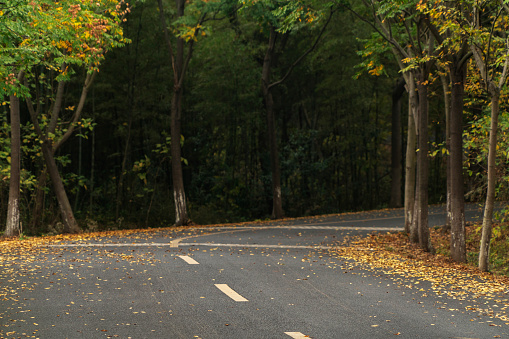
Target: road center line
(175,243)
(296,335)
(229,292)
(211,244)
(188,259)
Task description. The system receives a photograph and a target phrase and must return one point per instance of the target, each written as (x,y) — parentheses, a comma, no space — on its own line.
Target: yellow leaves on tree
(374,69)
(189,33)
(81,32)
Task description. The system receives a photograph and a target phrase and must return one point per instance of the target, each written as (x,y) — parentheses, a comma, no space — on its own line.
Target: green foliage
(374,53)
(284,15)
(476,142)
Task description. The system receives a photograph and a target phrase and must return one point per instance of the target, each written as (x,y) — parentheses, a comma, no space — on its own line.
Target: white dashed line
(229,292)
(188,259)
(297,335)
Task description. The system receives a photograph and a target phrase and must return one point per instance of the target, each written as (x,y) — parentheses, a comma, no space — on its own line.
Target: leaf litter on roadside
(396,257)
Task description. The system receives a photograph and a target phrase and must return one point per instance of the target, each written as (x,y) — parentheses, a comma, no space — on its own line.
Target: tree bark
(277,203)
(120,184)
(39,199)
(458,246)
(70,224)
(484,251)
(410,154)
(422,162)
(181,216)
(447,104)
(396,172)
(13,227)
(179,65)
(494,90)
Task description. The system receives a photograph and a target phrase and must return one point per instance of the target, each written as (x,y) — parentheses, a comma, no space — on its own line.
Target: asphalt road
(276,280)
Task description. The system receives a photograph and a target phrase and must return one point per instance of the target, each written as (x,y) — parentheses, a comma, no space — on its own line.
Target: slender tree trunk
(120,186)
(422,163)
(268,61)
(447,104)
(181,216)
(179,66)
(70,224)
(484,252)
(458,246)
(414,225)
(410,155)
(39,199)
(92,160)
(13,217)
(396,172)
(277,201)
(80,165)
(277,204)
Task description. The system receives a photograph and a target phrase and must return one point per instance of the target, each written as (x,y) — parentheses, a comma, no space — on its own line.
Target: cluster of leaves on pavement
(394,255)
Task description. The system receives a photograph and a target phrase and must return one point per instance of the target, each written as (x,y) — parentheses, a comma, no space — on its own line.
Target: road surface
(273,280)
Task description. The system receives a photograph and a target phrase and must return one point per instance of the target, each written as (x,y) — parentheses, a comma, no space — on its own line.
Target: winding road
(267,280)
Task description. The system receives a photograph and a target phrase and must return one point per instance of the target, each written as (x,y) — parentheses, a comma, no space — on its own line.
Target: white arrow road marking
(297,335)
(229,292)
(188,260)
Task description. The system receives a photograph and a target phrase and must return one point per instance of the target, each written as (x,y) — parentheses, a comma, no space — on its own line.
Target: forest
(158,113)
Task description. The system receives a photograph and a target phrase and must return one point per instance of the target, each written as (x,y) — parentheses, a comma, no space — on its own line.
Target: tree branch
(57,106)
(309,50)
(168,40)
(190,50)
(86,86)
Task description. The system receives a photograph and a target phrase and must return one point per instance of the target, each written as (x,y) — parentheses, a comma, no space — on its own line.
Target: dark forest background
(333,130)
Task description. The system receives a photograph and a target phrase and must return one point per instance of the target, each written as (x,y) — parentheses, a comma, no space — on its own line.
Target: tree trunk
(447,104)
(410,155)
(70,224)
(120,185)
(458,246)
(422,163)
(181,216)
(49,146)
(277,204)
(414,224)
(39,200)
(484,252)
(92,161)
(13,217)
(179,66)
(396,172)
